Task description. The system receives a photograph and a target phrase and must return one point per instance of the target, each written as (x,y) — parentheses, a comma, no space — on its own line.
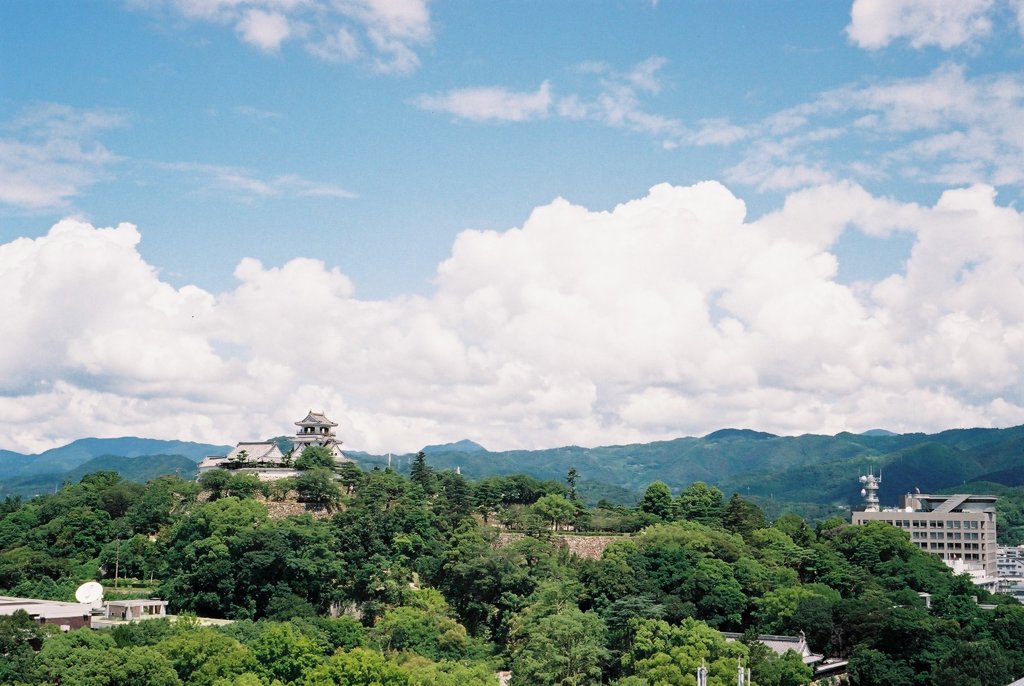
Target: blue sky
(473,184)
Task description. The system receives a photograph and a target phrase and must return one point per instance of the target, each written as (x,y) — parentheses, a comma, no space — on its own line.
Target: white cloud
(944,128)
(490,104)
(51,152)
(386,33)
(265,30)
(616,101)
(874,24)
(670,314)
(244,184)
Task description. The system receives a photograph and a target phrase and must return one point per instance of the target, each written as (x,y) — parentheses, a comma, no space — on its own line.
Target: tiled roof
(315,419)
(257,452)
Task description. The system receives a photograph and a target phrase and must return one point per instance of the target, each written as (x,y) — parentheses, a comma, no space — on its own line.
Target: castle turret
(317,430)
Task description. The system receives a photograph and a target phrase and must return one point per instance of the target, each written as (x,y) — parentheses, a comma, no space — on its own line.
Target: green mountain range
(809,468)
(136,459)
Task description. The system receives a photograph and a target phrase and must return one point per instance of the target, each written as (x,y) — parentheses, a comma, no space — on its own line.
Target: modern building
(268,462)
(959,529)
(138,608)
(65,615)
(1010,568)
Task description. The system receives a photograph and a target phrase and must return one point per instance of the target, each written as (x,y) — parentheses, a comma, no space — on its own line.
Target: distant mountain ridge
(810,468)
(70,456)
(463,446)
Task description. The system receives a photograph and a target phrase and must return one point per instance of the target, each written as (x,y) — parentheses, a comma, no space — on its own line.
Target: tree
(239,459)
(565,648)
(422,474)
(284,653)
(977,663)
(315,457)
(784,670)
(453,503)
(570,480)
(662,653)
(216,481)
(357,667)
(555,509)
(699,502)
(743,517)
(657,501)
(317,485)
(427,633)
(18,635)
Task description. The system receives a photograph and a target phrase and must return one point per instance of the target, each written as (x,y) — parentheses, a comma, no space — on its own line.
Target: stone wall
(588,547)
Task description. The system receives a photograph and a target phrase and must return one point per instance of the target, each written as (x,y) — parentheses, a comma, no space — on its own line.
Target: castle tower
(317,430)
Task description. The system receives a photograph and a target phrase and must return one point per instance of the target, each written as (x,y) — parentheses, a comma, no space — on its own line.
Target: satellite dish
(90,592)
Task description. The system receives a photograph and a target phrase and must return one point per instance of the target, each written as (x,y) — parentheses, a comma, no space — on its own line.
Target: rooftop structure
(780,645)
(136,609)
(960,529)
(870,491)
(65,615)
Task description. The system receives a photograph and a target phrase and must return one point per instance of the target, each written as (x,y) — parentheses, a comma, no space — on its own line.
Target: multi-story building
(1010,566)
(959,529)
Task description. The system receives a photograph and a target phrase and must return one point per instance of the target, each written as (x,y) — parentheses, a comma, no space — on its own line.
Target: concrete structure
(129,610)
(960,529)
(1010,569)
(266,460)
(65,615)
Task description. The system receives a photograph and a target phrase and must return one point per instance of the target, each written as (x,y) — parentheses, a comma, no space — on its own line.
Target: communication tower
(869,491)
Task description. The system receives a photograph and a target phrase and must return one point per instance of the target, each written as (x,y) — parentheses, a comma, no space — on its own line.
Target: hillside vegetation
(809,468)
(429,595)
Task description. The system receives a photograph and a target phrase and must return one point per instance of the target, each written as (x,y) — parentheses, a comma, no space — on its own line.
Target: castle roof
(315,419)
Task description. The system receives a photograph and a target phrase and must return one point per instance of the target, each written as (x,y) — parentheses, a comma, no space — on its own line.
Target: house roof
(781,644)
(257,452)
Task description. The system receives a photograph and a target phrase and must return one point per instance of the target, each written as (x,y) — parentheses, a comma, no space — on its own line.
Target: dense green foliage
(429,594)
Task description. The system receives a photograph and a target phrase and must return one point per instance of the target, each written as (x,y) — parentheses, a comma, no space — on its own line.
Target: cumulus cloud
(384,33)
(874,24)
(50,152)
(671,314)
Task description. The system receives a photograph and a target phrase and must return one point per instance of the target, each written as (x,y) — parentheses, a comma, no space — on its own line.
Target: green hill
(68,457)
(809,468)
(141,468)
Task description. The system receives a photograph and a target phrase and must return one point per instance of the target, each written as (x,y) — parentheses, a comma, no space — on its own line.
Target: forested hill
(136,459)
(808,468)
(77,453)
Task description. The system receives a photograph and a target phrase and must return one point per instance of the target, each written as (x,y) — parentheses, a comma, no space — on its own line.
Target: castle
(266,459)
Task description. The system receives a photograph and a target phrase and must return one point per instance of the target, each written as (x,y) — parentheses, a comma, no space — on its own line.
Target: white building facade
(959,529)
